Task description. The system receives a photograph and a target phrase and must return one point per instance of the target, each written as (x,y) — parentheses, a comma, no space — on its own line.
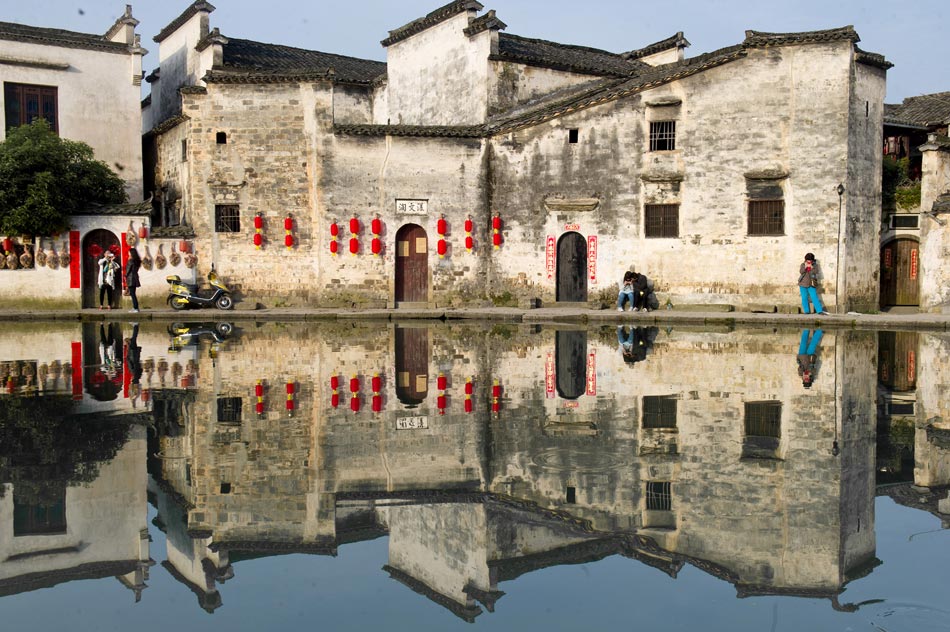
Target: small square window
(572,135)
(659,496)
(662,135)
(661,220)
(225,488)
(227,218)
(766,217)
(221,138)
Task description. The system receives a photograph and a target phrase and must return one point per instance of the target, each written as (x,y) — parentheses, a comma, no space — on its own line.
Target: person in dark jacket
(132,277)
(808,273)
(640,292)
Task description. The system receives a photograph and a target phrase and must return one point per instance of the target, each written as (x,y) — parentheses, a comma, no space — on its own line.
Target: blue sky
(912,35)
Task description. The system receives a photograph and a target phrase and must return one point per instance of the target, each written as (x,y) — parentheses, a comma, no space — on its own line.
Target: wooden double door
(412,265)
(900,273)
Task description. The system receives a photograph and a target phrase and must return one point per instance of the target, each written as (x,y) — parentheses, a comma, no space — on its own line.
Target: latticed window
(227,218)
(763,419)
(766,217)
(229,410)
(662,135)
(46,518)
(658,496)
(659,411)
(662,220)
(24,103)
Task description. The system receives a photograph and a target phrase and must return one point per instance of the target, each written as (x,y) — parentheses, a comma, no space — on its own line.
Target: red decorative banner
(124,257)
(592,258)
(911,366)
(913,263)
(550,377)
(75,260)
(77,370)
(887,257)
(592,373)
(572,227)
(550,257)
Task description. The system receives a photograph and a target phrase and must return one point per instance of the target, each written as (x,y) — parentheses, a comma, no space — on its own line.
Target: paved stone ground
(543,315)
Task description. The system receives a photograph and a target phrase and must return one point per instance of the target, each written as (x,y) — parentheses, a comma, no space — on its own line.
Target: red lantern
(354,225)
(495,407)
(334,382)
(355,403)
(258,222)
(334,230)
(442,247)
(143,231)
(335,400)
(469,387)
(440,402)
(496,222)
(259,408)
(259,389)
(289,240)
(290,388)
(95,251)
(496,239)
(377,403)
(377,383)
(288,223)
(468,225)
(290,405)
(354,245)
(468,405)
(258,239)
(183,247)
(354,384)
(334,247)
(441,226)
(441,382)
(377,246)
(7,244)
(469,242)
(376,226)
(496,390)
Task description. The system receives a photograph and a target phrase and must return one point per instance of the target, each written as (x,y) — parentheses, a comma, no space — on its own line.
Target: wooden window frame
(661,221)
(227,218)
(763,419)
(662,135)
(659,412)
(47,97)
(758,221)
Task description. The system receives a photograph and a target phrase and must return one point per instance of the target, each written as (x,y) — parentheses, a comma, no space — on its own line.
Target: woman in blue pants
(808,274)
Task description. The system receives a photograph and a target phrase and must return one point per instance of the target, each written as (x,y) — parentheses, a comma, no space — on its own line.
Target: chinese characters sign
(913,263)
(550,257)
(550,376)
(412,207)
(592,373)
(412,423)
(592,259)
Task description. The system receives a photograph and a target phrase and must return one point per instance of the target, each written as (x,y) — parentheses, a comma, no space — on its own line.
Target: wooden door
(900,273)
(897,360)
(97,241)
(572,268)
(412,264)
(412,364)
(570,352)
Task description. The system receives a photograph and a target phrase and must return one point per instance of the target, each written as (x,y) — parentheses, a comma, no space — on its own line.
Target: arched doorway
(412,365)
(412,265)
(900,273)
(572,268)
(570,349)
(94,244)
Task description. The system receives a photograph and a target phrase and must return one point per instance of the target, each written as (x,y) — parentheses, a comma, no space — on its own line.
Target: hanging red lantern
(354,384)
(377,403)
(376,226)
(258,240)
(496,222)
(377,246)
(469,387)
(441,382)
(289,240)
(259,389)
(184,247)
(440,402)
(442,248)
(143,232)
(334,382)
(335,400)
(355,403)
(334,248)
(258,222)
(469,242)
(495,407)
(354,245)
(468,405)
(354,225)
(259,408)
(469,225)
(290,405)
(290,388)
(334,230)
(496,239)
(288,223)
(377,383)
(441,226)
(496,390)
(7,244)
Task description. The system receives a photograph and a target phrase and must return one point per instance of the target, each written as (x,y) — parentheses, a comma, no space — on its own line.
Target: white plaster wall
(98,101)
(934,238)
(439,76)
(511,84)
(180,65)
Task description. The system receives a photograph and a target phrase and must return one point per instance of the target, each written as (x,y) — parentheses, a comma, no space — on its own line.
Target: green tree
(44,179)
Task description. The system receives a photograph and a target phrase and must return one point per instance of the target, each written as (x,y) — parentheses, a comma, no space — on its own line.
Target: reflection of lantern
(496,390)
(468,404)
(440,403)
(334,248)
(377,383)
(335,400)
(334,230)
(334,382)
(377,403)
(496,231)
(495,407)
(355,403)
(259,408)
(495,396)
(259,389)
(354,384)
(469,387)
(441,382)
(290,397)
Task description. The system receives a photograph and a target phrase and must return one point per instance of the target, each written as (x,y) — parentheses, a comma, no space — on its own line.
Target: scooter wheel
(176,303)
(224,329)
(224,302)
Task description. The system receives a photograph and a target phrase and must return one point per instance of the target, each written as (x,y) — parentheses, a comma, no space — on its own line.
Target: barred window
(658,496)
(766,217)
(763,419)
(662,135)
(227,218)
(229,410)
(659,411)
(662,220)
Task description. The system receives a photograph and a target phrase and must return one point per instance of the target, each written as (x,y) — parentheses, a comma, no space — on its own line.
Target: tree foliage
(44,179)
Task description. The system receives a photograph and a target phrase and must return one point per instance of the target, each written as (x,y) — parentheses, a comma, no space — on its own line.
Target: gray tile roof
(761,38)
(927,109)
(187,14)
(581,59)
(246,61)
(135,209)
(59,37)
(657,47)
(441,14)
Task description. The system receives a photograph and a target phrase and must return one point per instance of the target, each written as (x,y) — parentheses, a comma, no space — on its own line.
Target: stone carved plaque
(412,207)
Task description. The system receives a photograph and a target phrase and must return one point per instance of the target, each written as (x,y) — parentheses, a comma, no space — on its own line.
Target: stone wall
(934,230)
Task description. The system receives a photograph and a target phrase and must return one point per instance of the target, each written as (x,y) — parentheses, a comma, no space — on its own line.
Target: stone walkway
(544,315)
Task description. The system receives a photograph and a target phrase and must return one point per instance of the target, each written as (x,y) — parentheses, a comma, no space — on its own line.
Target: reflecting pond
(428,476)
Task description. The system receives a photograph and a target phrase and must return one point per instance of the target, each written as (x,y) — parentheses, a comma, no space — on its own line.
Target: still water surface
(348,475)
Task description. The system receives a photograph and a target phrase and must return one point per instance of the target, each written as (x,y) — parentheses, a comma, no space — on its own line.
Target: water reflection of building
(708,450)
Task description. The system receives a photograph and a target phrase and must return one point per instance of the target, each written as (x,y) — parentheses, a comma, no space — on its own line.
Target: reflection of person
(134,363)
(808,273)
(807,361)
(132,277)
(626,291)
(108,269)
(635,343)
(640,292)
